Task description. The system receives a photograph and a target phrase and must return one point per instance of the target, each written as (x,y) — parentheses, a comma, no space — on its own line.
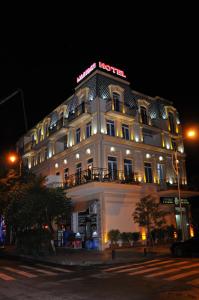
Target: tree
(149,215)
(28,205)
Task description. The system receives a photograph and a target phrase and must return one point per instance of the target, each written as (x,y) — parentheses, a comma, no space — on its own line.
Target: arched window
(143,114)
(116,101)
(172,123)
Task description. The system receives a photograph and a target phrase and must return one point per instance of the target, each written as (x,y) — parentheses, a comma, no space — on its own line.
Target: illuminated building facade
(108,146)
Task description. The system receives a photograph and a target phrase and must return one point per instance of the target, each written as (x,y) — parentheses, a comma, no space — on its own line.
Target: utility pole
(23,105)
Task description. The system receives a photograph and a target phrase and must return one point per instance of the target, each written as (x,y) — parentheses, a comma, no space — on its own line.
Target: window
(143,113)
(66,173)
(88,129)
(77,135)
(66,142)
(125,131)
(89,169)
(58,173)
(128,169)
(172,123)
(116,101)
(90,163)
(174,144)
(110,127)
(160,169)
(78,173)
(148,172)
(112,167)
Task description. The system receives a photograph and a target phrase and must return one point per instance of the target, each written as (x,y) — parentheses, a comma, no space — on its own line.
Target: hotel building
(108,146)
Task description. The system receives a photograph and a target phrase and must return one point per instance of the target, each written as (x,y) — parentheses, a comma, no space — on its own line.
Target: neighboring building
(108,146)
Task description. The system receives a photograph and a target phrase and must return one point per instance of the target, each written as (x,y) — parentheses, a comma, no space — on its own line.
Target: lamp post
(13,159)
(191,134)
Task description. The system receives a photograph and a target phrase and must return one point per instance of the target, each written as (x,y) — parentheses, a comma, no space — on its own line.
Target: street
(158,278)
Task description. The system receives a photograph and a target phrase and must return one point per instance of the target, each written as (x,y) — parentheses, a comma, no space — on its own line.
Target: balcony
(99,175)
(82,110)
(60,124)
(120,107)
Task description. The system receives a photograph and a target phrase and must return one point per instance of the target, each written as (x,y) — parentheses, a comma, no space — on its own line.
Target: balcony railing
(120,107)
(79,110)
(100,175)
(61,123)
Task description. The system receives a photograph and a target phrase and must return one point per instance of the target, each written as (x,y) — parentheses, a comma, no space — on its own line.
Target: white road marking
(39,270)
(131,265)
(54,268)
(142,267)
(6,277)
(144,271)
(26,274)
(194,282)
(172,270)
(182,275)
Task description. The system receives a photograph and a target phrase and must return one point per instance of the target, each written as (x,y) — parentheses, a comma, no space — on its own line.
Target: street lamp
(190,134)
(13,158)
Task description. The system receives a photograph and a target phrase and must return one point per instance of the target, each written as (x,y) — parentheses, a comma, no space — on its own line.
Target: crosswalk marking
(182,275)
(194,282)
(131,265)
(39,270)
(55,268)
(23,273)
(142,267)
(6,277)
(144,271)
(166,271)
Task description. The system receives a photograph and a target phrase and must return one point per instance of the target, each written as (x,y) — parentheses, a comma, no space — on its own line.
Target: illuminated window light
(128,151)
(181,149)
(77,156)
(148,155)
(65,161)
(56,165)
(160,158)
(112,149)
(191,231)
(88,151)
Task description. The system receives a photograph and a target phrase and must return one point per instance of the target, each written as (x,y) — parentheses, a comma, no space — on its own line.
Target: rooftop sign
(103,66)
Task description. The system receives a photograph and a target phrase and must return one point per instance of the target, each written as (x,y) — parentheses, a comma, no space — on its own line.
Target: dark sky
(158,52)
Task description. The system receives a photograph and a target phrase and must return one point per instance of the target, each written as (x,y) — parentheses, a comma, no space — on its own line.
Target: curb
(83,263)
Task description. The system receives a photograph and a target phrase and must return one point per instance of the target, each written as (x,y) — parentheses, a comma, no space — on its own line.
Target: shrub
(113,236)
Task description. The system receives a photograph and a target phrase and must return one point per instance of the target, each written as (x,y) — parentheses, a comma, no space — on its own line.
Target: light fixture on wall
(77,155)
(65,161)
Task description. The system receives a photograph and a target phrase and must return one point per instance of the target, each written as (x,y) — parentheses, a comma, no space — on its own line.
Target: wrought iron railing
(61,123)
(119,106)
(79,110)
(101,175)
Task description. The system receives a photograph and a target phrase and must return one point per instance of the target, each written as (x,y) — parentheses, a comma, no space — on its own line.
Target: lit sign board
(103,66)
(112,69)
(173,200)
(86,72)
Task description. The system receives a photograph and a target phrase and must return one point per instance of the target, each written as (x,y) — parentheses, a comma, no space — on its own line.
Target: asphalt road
(160,278)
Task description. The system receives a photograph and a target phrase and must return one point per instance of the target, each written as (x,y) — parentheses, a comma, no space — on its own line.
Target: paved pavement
(92,257)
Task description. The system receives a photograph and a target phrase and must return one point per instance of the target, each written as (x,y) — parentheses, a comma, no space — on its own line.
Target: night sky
(159,58)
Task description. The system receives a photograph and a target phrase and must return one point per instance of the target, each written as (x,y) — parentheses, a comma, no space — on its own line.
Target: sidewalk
(84,257)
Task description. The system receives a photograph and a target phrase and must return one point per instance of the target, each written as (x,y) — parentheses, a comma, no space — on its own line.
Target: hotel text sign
(103,66)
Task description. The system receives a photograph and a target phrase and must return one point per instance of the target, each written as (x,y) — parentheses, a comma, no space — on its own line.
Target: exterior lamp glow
(191,134)
(12,158)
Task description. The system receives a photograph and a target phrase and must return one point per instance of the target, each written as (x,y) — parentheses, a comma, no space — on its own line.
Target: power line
(23,104)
